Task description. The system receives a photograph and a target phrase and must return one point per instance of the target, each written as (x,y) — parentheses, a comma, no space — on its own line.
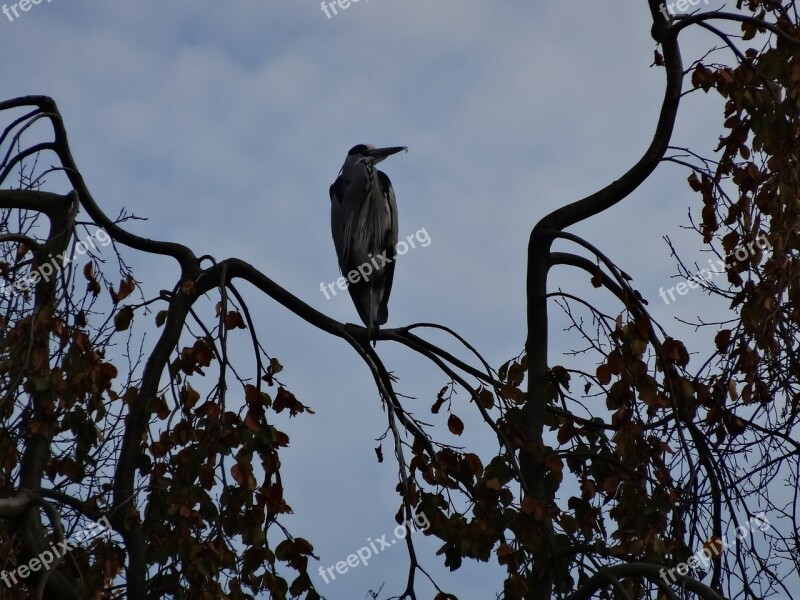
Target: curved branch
(539,245)
(60,146)
(651,572)
(683,21)
(616,191)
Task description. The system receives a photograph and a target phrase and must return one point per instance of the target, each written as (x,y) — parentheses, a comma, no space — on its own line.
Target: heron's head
(369,154)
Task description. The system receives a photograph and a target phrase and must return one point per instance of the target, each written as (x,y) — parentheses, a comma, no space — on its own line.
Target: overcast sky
(224,123)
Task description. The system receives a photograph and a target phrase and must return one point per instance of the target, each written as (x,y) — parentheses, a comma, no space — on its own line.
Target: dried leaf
(455,425)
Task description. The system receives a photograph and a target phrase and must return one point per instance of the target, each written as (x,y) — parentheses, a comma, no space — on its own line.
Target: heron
(364,229)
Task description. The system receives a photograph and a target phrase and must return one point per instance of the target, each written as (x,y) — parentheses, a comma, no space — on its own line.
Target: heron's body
(364,229)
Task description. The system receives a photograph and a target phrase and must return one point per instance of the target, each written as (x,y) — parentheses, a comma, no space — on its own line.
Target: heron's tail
(372,334)
(373,327)
(367,301)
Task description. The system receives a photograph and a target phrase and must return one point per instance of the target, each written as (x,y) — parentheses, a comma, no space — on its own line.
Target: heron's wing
(337,219)
(359,293)
(389,246)
(388,193)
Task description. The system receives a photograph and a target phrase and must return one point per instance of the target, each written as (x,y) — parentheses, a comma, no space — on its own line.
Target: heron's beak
(378,154)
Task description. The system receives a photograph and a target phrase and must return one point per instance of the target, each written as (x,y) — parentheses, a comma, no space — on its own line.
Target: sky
(224,124)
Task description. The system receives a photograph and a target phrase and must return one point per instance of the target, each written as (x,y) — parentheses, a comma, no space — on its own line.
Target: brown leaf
(303,546)
(243,477)
(158,449)
(588,489)
(126,288)
(81,341)
(251,395)
(714,545)
(658,59)
(38,428)
(93,286)
(455,425)
(529,504)
(723,339)
(604,374)
(208,409)
(509,392)
(486,398)
(554,463)
(188,396)
(566,432)
(234,320)
(674,351)
(634,546)
(252,421)
(473,462)
(123,318)
(285,399)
